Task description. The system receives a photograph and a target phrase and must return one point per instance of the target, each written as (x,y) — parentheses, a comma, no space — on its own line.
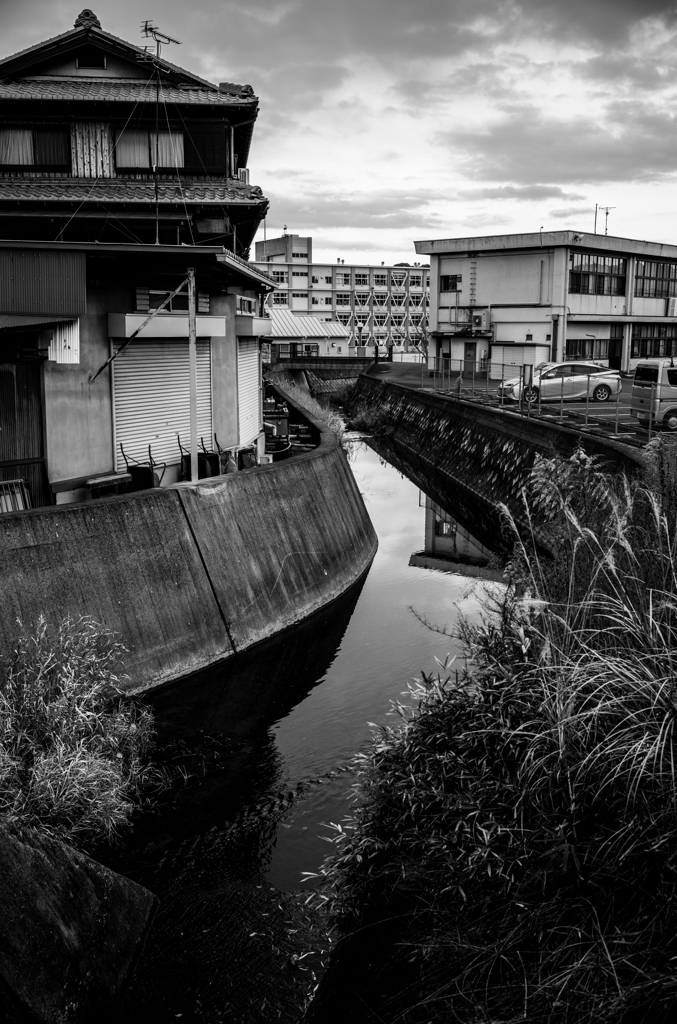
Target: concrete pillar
(629,300)
(434,293)
(560,296)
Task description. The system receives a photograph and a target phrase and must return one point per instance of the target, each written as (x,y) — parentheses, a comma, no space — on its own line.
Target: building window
(443,528)
(145,150)
(655,280)
(300,295)
(381,299)
(653,340)
(34,147)
(315,301)
(342,298)
(328,300)
(362,279)
(587,348)
(280,299)
(299,255)
(280,276)
(381,280)
(148,299)
(450,282)
(397,300)
(344,318)
(596,275)
(415,281)
(361,298)
(299,273)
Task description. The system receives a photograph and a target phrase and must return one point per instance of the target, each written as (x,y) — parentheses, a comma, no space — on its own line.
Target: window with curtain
(138,150)
(34,147)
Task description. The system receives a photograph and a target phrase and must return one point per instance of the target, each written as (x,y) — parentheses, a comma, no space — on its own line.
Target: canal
(265,741)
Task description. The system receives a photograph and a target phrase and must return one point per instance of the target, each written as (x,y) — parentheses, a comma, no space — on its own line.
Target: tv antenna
(606,210)
(161,38)
(148,29)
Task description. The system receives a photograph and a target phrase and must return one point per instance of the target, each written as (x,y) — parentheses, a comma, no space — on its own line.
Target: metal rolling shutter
(152,399)
(248,384)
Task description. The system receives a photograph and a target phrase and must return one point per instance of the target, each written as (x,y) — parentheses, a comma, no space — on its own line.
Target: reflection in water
(291,712)
(450,546)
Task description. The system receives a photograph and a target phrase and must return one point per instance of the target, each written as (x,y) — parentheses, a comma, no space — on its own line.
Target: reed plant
(73,751)
(519,823)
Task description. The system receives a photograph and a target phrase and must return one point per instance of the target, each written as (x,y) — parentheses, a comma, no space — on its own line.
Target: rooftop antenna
(595,218)
(606,217)
(161,38)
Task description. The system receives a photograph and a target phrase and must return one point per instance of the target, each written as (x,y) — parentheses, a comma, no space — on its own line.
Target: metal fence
(492,381)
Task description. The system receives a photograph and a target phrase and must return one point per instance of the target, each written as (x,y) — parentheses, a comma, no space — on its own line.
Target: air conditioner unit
(243,175)
(671,307)
(481,320)
(265,460)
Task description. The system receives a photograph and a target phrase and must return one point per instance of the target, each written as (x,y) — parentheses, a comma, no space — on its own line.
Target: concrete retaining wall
(480,455)
(192,574)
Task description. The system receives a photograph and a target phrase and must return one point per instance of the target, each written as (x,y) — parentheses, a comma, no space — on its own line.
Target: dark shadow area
(223,942)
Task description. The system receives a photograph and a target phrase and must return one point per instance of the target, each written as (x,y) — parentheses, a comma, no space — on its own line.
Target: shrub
(72,750)
(522,818)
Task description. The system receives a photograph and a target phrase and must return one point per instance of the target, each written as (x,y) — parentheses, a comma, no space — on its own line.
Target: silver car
(572,380)
(507,386)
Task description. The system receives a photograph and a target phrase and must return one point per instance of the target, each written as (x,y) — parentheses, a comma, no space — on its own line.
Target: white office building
(557,295)
(382,304)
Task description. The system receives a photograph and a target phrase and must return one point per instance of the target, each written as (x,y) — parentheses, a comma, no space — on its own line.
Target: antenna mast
(606,217)
(149,29)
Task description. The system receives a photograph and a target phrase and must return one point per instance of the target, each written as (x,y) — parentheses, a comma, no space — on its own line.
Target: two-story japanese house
(119,171)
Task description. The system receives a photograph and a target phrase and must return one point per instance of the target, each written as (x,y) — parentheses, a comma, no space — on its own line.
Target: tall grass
(521,820)
(73,753)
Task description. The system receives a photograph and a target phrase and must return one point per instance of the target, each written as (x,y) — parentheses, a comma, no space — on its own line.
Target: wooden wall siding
(42,282)
(92,150)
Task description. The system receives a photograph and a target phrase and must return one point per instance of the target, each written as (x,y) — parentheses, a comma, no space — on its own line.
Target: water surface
(296,709)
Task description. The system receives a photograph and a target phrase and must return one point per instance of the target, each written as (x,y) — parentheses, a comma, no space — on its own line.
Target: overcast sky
(385,121)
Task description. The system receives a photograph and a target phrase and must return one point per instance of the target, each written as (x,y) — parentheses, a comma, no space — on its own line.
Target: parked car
(507,385)
(572,380)
(654,393)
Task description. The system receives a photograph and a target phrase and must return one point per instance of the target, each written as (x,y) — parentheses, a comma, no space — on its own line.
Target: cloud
(637,142)
(570,211)
(531,193)
(401,210)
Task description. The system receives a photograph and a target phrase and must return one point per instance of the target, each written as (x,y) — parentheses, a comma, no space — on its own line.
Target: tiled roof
(118,190)
(287,325)
(121,90)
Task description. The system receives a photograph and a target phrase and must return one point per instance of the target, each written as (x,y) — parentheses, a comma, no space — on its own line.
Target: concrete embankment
(191,574)
(478,454)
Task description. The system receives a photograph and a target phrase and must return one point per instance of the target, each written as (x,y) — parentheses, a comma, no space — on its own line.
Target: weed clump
(518,828)
(73,752)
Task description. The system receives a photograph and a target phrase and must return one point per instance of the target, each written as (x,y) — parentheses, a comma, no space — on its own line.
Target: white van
(654,393)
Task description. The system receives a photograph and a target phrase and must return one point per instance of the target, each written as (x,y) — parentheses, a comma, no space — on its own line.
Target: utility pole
(595,218)
(192,366)
(148,29)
